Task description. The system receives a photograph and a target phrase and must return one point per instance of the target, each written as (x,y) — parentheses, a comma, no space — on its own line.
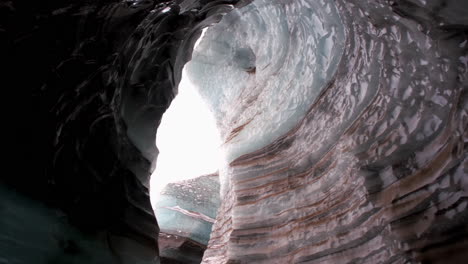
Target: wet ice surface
(262,67)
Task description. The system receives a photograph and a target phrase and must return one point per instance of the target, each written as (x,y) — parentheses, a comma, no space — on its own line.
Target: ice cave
(343,130)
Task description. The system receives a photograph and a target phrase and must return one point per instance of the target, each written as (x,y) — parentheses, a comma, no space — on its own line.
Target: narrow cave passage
(185,185)
(187,135)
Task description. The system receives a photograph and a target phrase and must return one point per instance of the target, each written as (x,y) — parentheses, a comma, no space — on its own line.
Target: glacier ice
(188,208)
(262,67)
(344,124)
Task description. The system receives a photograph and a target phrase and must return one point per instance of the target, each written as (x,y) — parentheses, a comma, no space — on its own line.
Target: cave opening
(187,135)
(184,187)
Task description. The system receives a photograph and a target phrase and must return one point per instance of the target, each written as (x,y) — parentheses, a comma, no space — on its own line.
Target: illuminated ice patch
(263,65)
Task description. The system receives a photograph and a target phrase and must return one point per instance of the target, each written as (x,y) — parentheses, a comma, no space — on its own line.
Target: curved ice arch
(263,65)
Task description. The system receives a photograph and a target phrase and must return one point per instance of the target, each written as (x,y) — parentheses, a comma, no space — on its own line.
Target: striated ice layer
(363,159)
(261,68)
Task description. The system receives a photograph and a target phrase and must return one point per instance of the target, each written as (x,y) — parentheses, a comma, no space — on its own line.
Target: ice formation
(261,68)
(335,117)
(344,125)
(189,207)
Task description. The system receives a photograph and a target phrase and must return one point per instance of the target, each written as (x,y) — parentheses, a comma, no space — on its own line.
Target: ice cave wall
(372,168)
(186,211)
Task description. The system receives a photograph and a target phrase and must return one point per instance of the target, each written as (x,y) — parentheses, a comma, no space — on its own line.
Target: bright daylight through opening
(187,139)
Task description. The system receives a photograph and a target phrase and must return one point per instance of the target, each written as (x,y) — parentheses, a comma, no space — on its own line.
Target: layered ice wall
(344,124)
(262,67)
(367,163)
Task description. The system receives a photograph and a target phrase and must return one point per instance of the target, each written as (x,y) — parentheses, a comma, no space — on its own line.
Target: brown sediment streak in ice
(190,213)
(236,131)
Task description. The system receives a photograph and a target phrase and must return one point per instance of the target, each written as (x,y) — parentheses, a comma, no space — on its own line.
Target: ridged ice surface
(273,60)
(344,123)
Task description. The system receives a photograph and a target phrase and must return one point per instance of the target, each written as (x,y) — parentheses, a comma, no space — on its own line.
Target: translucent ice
(261,68)
(188,208)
